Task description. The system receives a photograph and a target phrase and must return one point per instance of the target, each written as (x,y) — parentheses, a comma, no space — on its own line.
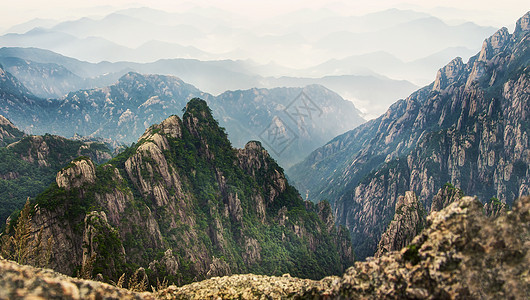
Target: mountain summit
(185,205)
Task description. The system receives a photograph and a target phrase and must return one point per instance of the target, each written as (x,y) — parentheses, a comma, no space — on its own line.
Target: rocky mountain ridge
(28,163)
(469,128)
(305,117)
(185,205)
(460,254)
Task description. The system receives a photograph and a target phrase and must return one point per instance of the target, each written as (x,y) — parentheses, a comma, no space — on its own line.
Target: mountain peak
(494,44)
(5,122)
(448,74)
(171,126)
(523,24)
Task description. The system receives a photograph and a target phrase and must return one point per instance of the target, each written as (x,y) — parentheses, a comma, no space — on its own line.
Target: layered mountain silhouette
(469,127)
(303,118)
(50,75)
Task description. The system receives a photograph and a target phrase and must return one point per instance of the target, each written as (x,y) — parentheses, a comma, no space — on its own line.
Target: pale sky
(484,12)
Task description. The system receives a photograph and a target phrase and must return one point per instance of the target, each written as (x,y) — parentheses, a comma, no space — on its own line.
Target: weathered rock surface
(185,204)
(25,282)
(79,172)
(409,220)
(445,196)
(461,254)
(8,132)
(469,128)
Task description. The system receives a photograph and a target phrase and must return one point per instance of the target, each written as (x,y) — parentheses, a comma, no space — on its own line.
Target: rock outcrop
(461,254)
(470,128)
(25,282)
(186,205)
(8,132)
(445,196)
(81,171)
(408,221)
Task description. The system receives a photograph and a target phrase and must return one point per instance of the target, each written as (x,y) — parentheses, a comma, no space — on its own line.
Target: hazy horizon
(402,42)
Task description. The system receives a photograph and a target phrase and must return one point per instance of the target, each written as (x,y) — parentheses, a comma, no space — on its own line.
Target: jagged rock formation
(445,196)
(8,132)
(408,221)
(470,128)
(29,165)
(185,204)
(495,208)
(462,254)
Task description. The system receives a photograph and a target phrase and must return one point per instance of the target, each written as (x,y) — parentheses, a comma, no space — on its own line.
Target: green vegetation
(23,173)
(412,254)
(211,212)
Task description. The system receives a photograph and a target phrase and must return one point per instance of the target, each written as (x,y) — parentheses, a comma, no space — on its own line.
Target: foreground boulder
(462,254)
(25,282)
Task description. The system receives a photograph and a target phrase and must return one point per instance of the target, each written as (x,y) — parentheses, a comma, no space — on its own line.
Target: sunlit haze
(403,41)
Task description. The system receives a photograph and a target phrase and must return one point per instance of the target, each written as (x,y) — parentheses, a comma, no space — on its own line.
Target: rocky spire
(409,220)
(448,74)
(494,44)
(523,24)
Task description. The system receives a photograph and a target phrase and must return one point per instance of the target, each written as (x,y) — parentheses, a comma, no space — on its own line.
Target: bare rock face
(409,220)
(494,44)
(523,24)
(445,196)
(169,262)
(469,128)
(8,132)
(448,74)
(80,172)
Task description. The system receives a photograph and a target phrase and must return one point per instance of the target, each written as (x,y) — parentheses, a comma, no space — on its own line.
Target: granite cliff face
(185,205)
(8,132)
(461,254)
(470,128)
(408,221)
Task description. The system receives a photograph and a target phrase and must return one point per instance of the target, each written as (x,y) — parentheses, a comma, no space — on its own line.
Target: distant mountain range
(468,128)
(402,45)
(291,122)
(51,75)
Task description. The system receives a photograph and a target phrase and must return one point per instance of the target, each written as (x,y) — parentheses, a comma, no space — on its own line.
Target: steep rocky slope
(28,166)
(408,221)
(470,128)
(185,205)
(19,105)
(8,132)
(461,254)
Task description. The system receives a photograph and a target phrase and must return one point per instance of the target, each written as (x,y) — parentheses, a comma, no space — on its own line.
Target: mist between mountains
(278,135)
